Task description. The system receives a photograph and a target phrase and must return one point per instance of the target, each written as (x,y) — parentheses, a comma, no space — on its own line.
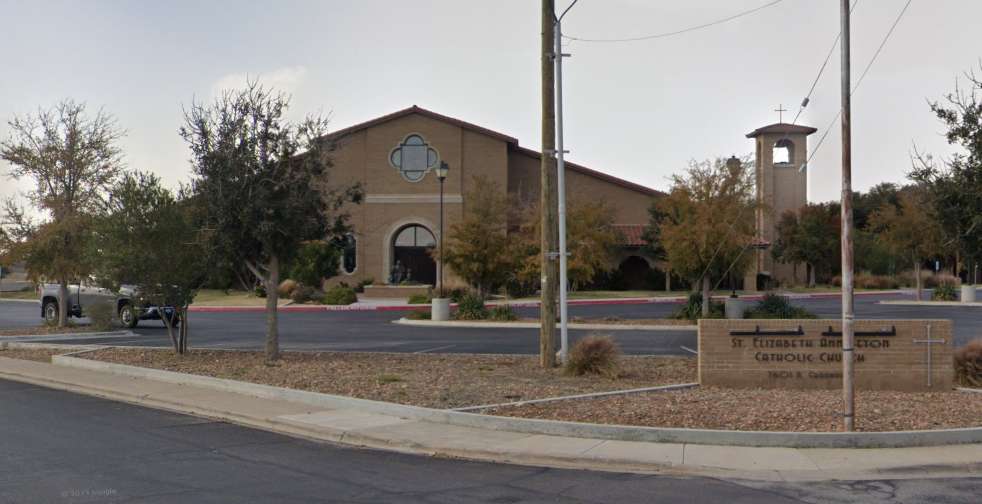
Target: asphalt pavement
(99,451)
(373,330)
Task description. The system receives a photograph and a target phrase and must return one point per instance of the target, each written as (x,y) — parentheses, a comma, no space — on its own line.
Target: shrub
(304,294)
(259,290)
(502,313)
(944,292)
(420,315)
(692,309)
(457,293)
(774,306)
(471,307)
(594,355)
(968,364)
(340,295)
(420,299)
(360,286)
(287,287)
(315,261)
(868,281)
(101,315)
(937,279)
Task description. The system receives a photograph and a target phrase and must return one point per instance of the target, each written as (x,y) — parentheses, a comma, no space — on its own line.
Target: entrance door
(411,261)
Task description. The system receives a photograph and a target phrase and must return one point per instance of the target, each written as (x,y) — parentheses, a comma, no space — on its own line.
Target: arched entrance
(411,260)
(635,273)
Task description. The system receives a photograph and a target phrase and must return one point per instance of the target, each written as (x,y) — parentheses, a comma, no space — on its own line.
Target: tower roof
(782,128)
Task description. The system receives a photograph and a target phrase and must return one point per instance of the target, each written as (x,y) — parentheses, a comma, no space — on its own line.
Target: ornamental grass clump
(692,309)
(773,306)
(471,307)
(945,292)
(968,364)
(502,313)
(420,299)
(596,355)
(340,295)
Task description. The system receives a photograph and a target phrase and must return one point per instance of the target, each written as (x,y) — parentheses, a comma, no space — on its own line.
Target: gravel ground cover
(766,410)
(34,354)
(432,380)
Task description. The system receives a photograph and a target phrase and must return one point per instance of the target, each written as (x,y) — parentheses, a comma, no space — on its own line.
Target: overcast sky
(636,110)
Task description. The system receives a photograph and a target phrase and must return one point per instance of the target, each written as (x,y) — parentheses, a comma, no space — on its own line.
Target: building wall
(630,205)
(391,202)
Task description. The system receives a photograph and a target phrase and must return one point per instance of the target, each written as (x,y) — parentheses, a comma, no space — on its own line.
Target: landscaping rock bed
(34,354)
(766,410)
(431,380)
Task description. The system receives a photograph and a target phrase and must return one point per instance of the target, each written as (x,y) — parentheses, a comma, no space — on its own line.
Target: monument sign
(908,355)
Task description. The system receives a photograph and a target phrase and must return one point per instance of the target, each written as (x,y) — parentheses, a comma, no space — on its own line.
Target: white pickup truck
(127,303)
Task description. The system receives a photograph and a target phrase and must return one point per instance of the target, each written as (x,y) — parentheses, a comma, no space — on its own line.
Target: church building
(395,159)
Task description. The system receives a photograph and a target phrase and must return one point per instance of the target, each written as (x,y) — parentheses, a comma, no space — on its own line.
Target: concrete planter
(968,294)
(734,308)
(441,309)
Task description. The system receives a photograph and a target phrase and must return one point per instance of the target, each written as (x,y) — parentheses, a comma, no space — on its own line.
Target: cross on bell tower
(780,112)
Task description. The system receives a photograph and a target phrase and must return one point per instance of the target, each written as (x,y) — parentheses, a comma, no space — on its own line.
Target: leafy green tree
(706,222)
(478,247)
(148,239)
(315,261)
(72,159)
(909,231)
(810,236)
(262,183)
(591,242)
(955,190)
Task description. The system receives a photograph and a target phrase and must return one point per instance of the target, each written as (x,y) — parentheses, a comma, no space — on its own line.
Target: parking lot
(374,331)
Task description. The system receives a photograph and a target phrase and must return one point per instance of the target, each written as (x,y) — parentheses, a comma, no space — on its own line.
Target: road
(98,451)
(373,331)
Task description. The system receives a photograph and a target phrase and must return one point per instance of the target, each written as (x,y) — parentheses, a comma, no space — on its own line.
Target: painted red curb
(524,304)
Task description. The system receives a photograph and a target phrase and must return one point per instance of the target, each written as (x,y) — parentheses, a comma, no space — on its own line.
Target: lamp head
(442,171)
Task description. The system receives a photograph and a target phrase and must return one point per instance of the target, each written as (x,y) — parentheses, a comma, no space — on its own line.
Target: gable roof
(511,141)
(426,113)
(782,128)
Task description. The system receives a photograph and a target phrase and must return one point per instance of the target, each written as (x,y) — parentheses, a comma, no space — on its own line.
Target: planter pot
(734,308)
(441,309)
(968,293)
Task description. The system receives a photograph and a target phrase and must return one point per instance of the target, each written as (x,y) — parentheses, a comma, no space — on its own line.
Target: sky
(640,111)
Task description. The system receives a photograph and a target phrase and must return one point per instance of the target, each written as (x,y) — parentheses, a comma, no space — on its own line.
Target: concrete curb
(904,302)
(535,325)
(662,388)
(518,304)
(897,439)
(70,336)
(35,301)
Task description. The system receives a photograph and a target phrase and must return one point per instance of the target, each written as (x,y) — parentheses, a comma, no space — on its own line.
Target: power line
(821,70)
(678,32)
(860,80)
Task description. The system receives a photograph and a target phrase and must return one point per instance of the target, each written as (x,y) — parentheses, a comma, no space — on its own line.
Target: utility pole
(547,199)
(848,309)
(561,184)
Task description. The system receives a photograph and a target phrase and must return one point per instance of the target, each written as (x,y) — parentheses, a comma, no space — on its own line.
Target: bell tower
(782,185)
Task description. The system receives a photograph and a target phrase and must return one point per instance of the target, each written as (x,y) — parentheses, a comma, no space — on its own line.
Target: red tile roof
(632,235)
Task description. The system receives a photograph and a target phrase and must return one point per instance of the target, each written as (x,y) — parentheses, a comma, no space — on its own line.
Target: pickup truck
(127,303)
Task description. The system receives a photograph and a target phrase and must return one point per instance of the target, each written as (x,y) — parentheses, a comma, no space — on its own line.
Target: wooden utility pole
(848,310)
(548,203)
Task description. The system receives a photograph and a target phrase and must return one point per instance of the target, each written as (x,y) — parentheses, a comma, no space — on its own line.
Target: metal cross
(928,342)
(780,112)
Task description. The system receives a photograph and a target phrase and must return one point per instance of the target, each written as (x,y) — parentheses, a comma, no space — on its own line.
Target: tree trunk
(168,323)
(811,275)
(272,297)
(63,302)
(705,296)
(184,329)
(917,279)
(668,280)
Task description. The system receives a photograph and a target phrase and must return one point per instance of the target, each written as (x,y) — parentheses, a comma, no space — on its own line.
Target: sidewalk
(359,427)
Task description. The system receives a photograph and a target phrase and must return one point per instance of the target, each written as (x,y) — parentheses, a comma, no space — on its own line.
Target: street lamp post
(440,306)
(441,175)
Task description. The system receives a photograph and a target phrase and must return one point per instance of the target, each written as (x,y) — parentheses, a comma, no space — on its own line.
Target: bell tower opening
(783,152)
